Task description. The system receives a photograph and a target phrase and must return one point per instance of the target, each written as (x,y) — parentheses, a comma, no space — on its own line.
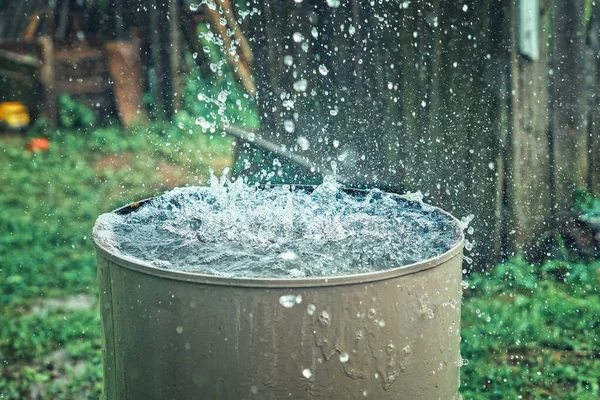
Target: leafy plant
(531,332)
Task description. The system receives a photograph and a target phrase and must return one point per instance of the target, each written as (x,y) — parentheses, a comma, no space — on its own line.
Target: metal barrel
(391,334)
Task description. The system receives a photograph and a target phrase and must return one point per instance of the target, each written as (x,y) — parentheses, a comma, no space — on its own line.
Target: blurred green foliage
(49,202)
(588,208)
(532,332)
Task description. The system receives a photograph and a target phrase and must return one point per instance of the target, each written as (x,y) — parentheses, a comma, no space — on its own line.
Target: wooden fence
(489,107)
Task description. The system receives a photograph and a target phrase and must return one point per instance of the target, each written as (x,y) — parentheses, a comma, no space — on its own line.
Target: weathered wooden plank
(527,163)
(160,39)
(97,84)
(124,61)
(46,77)
(404,100)
(18,61)
(569,136)
(594,126)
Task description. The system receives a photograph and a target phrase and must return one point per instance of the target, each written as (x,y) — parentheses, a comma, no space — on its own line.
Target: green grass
(49,202)
(529,331)
(533,332)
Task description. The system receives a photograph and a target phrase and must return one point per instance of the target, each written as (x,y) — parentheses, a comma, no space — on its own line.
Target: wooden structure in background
(439,97)
(130,47)
(466,101)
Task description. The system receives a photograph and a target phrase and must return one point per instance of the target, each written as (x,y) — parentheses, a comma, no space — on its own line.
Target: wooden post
(594,125)
(568,134)
(50,108)
(124,65)
(160,40)
(175,55)
(527,162)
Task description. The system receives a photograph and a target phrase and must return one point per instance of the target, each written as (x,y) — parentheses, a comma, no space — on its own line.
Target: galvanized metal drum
(391,334)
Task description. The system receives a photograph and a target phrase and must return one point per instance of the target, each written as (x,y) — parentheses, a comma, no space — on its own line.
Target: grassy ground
(528,331)
(49,321)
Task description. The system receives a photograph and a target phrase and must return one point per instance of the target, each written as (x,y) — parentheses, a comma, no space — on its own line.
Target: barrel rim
(336,280)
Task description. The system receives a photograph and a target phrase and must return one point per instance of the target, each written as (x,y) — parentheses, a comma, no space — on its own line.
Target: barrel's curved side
(385,339)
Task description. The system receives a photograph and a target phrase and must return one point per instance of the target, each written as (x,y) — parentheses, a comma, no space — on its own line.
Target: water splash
(232,229)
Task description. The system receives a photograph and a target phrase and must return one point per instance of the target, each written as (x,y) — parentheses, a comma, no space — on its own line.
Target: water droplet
(371,313)
(334,111)
(465,8)
(382,323)
(344,357)
(298,37)
(307,373)
(288,60)
(333,3)
(464,285)
(288,255)
(323,70)
(289,126)
(310,309)
(351,30)
(287,300)
(254,389)
(303,142)
(430,314)
(299,299)
(336,143)
(300,85)
(324,318)
(179,329)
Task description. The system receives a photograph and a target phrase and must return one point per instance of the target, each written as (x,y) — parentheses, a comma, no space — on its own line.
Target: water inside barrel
(235,230)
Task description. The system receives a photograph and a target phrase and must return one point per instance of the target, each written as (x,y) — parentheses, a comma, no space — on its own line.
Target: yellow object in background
(14,115)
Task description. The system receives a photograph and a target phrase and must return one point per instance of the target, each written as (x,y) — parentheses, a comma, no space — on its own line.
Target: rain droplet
(371,313)
(333,3)
(310,309)
(303,142)
(289,126)
(334,111)
(299,299)
(300,85)
(381,323)
(323,70)
(314,32)
(297,36)
(465,8)
(336,143)
(179,329)
(307,373)
(288,60)
(344,357)
(351,30)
